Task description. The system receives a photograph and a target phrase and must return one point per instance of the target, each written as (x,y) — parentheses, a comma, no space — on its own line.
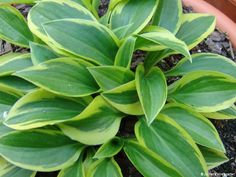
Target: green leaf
(64,76)
(188,33)
(41,53)
(204,62)
(164,38)
(40,108)
(205,91)
(4,130)
(171,10)
(8,56)
(110,148)
(97,124)
(125,52)
(68,34)
(55,150)
(213,158)
(108,81)
(105,168)
(88,161)
(11,63)
(229,113)
(152,91)
(62,9)
(9,170)
(147,162)
(191,35)
(76,170)
(126,18)
(112,4)
(167,139)
(151,44)
(199,128)
(96,4)
(14,28)
(17,84)
(8,98)
(125,99)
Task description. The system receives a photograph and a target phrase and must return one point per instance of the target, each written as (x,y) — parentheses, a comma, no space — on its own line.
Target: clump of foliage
(61,105)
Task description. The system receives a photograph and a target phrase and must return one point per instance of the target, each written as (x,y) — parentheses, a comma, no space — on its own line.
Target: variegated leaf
(68,34)
(11,63)
(171,10)
(167,139)
(108,81)
(41,53)
(147,162)
(9,170)
(204,62)
(40,108)
(109,149)
(97,124)
(13,27)
(55,150)
(199,128)
(152,91)
(126,18)
(205,91)
(105,168)
(64,76)
(125,99)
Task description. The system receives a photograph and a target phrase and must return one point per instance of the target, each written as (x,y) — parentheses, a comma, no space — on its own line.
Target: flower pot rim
(224,23)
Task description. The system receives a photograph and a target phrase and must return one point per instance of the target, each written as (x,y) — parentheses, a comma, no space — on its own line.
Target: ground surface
(216,43)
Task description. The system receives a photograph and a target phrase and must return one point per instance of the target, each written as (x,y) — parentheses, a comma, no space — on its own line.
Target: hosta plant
(62,103)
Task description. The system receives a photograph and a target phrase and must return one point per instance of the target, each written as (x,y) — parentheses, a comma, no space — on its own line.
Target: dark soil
(216,43)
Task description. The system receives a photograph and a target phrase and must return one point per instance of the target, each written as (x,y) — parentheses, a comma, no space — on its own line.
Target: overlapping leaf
(205,91)
(14,28)
(213,158)
(54,149)
(229,113)
(126,18)
(163,39)
(41,53)
(152,91)
(76,170)
(40,15)
(105,168)
(68,34)
(8,97)
(188,33)
(64,76)
(191,35)
(97,124)
(17,84)
(204,62)
(110,148)
(110,77)
(199,128)
(171,10)
(167,139)
(40,108)
(9,170)
(12,63)
(125,52)
(149,163)
(125,99)
(4,130)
